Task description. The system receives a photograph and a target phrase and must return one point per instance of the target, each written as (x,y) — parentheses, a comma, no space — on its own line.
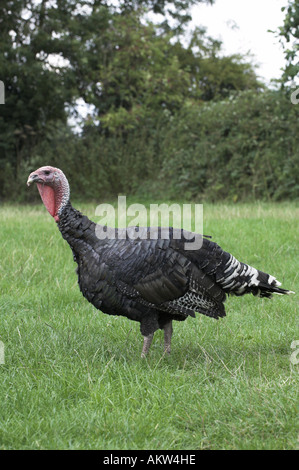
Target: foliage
(142,76)
(212,75)
(289,34)
(244,147)
(35,94)
(133,70)
(241,148)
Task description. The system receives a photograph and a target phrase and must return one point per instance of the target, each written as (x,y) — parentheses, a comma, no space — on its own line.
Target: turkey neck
(76,228)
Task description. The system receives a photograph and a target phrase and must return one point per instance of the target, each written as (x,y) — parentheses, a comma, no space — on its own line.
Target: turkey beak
(33,178)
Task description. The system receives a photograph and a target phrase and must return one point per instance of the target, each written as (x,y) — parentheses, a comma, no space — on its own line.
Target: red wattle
(48,197)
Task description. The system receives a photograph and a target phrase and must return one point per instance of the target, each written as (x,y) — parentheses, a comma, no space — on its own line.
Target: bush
(244,147)
(241,148)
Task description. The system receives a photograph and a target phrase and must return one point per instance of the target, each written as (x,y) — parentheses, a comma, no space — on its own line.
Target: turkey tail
(269,285)
(239,278)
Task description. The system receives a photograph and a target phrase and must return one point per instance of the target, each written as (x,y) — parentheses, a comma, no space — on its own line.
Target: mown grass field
(73,377)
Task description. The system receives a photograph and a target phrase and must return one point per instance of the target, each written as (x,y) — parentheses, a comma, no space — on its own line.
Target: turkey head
(53,188)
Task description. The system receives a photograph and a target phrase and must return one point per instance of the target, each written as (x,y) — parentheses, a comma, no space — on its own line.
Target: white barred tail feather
(240,278)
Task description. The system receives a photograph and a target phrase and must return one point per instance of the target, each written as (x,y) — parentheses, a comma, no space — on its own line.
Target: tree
(136,74)
(35,93)
(141,74)
(289,34)
(212,75)
(175,13)
(54,52)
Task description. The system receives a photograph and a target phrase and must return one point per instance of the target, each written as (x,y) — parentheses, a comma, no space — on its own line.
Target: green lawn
(73,377)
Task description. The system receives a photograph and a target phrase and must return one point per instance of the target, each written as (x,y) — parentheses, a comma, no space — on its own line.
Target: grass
(73,377)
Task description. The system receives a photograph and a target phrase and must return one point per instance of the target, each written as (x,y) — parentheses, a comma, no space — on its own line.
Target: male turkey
(153,281)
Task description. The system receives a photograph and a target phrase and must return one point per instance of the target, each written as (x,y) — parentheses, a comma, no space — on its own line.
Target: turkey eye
(46,172)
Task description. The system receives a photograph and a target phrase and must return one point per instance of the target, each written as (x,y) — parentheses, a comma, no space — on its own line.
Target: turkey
(152,280)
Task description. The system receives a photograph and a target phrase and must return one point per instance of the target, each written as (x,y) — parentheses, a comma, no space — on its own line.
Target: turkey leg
(146,344)
(167,340)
